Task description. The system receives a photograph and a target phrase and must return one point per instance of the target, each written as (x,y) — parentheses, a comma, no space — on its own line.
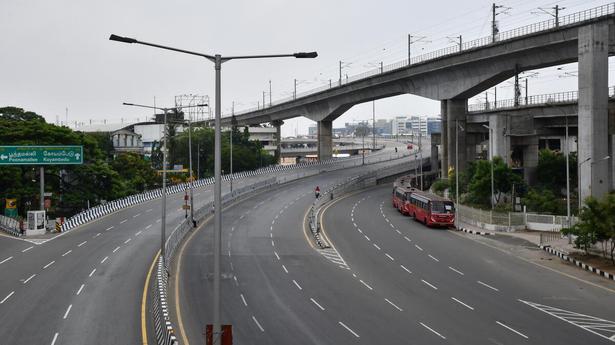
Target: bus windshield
(442,207)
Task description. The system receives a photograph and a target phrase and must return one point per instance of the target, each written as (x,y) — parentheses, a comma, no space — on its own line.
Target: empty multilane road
(387,278)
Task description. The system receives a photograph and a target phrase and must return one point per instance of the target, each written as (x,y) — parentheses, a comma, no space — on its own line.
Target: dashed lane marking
(276,255)
(429,284)
(405,269)
(49,264)
(27,280)
(463,304)
(297,285)
(317,304)
(5,260)
(67,311)
(284,268)
(7,297)
(377,247)
(92,273)
(487,285)
(258,324)
(124,221)
(455,270)
(390,257)
(128,240)
(348,329)
(432,330)
(55,337)
(80,289)
(25,250)
(68,252)
(434,258)
(82,243)
(103,260)
(109,228)
(393,304)
(419,248)
(366,285)
(116,249)
(243,299)
(512,329)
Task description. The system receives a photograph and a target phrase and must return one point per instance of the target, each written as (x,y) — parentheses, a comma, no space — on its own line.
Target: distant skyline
(56,55)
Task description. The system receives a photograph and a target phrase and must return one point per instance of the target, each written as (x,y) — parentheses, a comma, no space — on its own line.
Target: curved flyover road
(388,280)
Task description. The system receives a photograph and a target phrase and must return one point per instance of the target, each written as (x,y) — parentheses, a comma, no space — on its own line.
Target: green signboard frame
(41,155)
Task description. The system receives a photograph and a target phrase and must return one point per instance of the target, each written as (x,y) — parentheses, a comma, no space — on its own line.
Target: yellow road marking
(144,300)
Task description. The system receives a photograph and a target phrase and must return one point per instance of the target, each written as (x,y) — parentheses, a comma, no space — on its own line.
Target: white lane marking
(7,297)
(158,220)
(600,327)
(124,221)
(399,232)
(364,283)
(55,337)
(454,270)
(258,324)
(27,280)
(405,269)
(367,238)
(103,260)
(359,230)
(348,329)
(136,215)
(68,252)
(487,285)
(419,248)
(80,289)
(355,224)
(49,264)
(128,240)
(434,258)
(138,232)
(431,329)
(97,234)
(149,226)
(92,273)
(431,285)
(116,249)
(297,285)
(67,311)
(229,253)
(276,255)
(272,243)
(25,250)
(82,243)
(393,304)
(271,235)
(5,260)
(235,279)
(284,267)
(317,304)
(463,304)
(231,265)
(109,228)
(511,329)
(375,245)
(243,299)
(407,239)
(388,256)
(150,210)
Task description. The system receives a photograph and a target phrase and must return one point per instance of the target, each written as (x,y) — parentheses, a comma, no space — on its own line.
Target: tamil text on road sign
(41,155)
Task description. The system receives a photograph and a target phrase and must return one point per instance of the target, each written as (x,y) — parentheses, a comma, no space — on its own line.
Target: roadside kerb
(578,263)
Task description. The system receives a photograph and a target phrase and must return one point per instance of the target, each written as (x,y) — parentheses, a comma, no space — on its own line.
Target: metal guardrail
(567,20)
(544,99)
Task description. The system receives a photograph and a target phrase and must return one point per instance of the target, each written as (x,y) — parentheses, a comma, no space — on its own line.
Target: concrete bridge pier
(593,143)
(501,139)
(444,140)
(278,131)
(325,139)
(456,114)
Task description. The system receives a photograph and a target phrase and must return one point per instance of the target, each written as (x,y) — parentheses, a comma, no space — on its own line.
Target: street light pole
(191,173)
(374,125)
(218,60)
(163,217)
(491,158)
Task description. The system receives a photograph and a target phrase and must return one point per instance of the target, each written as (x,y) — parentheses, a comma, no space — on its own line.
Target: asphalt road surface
(388,280)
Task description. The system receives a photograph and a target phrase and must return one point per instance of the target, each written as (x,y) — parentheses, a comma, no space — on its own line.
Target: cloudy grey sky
(56,54)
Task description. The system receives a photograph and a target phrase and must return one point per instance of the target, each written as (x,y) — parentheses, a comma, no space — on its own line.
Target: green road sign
(41,155)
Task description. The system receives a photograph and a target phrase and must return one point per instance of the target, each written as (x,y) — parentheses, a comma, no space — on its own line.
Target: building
(398,125)
(267,136)
(126,141)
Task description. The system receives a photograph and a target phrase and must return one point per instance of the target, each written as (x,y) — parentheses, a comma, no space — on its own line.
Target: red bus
(431,209)
(401,196)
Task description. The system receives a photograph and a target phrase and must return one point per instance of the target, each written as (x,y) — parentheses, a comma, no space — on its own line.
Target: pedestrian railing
(508,221)
(10,225)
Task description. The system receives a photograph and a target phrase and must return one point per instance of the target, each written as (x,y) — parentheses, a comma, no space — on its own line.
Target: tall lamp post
(491,158)
(164,170)
(218,60)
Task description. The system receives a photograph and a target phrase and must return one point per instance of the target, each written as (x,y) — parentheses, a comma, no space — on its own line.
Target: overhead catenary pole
(42,187)
(373,124)
(270,95)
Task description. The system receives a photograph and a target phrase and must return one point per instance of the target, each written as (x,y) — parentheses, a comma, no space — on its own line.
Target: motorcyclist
(317,192)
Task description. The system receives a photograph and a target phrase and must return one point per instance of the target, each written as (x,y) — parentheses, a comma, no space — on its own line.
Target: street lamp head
(122,39)
(309,55)
(132,104)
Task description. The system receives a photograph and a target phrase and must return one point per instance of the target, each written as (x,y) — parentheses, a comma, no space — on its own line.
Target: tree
(18,114)
(544,201)
(137,173)
(552,170)
(479,187)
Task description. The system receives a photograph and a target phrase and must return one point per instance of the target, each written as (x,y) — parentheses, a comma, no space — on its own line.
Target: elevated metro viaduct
(518,129)
(455,74)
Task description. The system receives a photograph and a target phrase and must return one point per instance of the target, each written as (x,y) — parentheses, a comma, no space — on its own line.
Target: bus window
(442,207)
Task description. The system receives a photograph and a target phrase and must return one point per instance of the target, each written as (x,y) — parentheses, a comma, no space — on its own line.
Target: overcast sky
(56,54)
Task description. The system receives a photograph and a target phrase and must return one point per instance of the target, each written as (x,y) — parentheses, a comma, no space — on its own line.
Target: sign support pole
(42,178)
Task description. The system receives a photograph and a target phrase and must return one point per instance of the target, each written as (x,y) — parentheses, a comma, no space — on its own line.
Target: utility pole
(517,91)
(494,24)
(270,96)
(340,72)
(414,39)
(295,92)
(456,39)
(525,91)
(554,14)
(373,125)
(264,99)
